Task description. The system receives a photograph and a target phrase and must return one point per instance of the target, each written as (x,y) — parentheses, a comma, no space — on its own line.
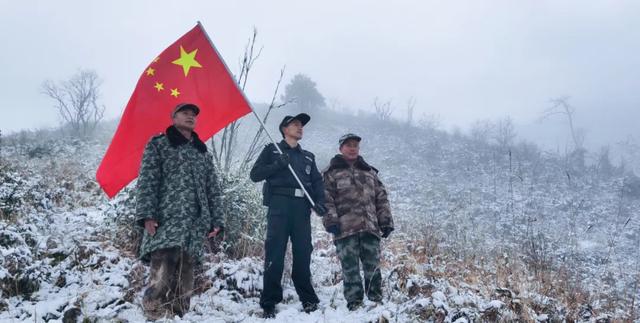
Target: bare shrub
(77,101)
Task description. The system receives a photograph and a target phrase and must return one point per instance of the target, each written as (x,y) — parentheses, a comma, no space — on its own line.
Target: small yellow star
(187,60)
(155,60)
(151,71)
(159,86)
(175,93)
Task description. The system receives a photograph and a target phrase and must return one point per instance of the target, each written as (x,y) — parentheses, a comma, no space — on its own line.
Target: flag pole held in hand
(313,204)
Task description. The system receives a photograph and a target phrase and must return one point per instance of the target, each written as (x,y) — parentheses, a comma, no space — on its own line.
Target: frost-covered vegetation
(488,229)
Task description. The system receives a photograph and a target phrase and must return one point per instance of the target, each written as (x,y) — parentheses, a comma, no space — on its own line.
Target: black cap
(184,106)
(347,137)
(302,117)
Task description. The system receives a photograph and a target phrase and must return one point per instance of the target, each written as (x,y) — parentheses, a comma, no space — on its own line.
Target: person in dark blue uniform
(289,213)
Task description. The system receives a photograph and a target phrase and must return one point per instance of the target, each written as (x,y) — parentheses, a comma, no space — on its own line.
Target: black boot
(308,307)
(352,306)
(269,312)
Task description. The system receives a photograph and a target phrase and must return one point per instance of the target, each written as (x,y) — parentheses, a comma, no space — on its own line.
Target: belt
(287,191)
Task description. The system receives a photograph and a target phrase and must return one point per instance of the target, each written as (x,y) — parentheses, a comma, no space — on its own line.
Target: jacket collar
(338,162)
(285,145)
(176,139)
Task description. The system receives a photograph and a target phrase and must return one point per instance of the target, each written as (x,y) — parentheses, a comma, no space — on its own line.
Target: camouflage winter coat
(355,198)
(178,187)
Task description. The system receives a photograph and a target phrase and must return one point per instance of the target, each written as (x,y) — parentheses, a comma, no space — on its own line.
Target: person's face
(293,130)
(350,149)
(185,119)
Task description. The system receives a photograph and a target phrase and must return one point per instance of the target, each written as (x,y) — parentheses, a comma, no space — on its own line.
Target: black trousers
(288,217)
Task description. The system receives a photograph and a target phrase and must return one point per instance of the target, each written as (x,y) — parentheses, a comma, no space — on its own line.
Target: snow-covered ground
(482,235)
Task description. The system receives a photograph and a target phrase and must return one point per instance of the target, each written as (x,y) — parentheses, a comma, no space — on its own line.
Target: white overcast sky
(461,60)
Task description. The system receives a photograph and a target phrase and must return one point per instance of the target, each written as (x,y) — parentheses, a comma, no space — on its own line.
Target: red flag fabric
(188,71)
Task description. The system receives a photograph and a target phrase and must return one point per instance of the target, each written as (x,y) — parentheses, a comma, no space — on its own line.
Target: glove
(320,209)
(334,229)
(386,231)
(282,160)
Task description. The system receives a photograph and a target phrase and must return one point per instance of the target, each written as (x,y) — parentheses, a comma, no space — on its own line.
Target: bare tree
(259,138)
(629,154)
(224,145)
(383,109)
(223,154)
(604,166)
(429,121)
(411,105)
(505,132)
(561,106)
(76,101)
(482,131)
(333,104)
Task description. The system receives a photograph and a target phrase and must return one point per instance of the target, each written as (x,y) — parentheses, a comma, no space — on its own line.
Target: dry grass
(506,278)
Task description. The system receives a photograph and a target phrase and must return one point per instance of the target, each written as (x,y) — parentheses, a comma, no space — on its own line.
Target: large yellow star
(175,92)
(187,60)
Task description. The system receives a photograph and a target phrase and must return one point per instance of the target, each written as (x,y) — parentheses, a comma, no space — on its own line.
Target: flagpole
(293,172)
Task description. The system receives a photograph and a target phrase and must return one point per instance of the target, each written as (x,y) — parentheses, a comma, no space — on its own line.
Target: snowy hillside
(486,232)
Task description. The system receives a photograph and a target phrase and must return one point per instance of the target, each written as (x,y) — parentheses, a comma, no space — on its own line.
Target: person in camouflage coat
(358,215)
(178,203)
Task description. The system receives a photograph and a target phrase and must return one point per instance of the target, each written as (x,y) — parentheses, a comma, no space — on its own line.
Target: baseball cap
(347,137)
(184,106)
(302,117)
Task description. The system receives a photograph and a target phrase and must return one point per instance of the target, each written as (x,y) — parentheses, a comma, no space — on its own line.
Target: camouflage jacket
(355,198)
(178,187)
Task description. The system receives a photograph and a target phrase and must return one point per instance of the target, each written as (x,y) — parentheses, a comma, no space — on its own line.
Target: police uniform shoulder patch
(308,155)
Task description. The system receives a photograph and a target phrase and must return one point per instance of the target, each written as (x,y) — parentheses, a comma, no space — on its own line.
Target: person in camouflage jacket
(178,203)
(358,215)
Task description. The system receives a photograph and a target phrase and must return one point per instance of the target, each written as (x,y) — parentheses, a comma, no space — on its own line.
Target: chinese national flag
(188,71)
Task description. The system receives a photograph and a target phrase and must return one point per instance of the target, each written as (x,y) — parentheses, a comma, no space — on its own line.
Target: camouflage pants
(352,250)
(170,283)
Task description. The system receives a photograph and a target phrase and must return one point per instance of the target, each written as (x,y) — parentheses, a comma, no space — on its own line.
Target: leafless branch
(411,104)
(505,132)
(561,106)
(76,101)
(258,139)
(383,109)
(224,150)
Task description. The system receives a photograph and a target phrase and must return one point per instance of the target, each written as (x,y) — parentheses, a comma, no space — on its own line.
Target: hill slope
(485,232)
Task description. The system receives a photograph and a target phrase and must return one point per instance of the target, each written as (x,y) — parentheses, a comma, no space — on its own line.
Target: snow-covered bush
(632,186)
(245,221)
(10,192)
(121,215)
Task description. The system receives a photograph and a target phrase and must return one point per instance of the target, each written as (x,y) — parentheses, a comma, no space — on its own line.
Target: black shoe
(352,306)
(269,312)
(309,307)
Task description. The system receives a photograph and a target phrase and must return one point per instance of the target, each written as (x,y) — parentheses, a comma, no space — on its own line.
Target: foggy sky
(460,60)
